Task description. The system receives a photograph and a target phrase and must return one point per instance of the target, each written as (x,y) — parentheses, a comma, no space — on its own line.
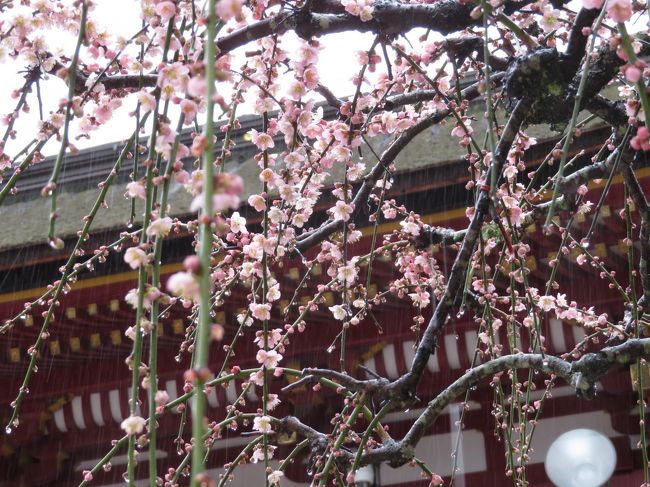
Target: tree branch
(309,239)
(427,345)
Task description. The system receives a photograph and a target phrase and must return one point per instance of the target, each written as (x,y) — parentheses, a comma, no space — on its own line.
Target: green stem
(205,252)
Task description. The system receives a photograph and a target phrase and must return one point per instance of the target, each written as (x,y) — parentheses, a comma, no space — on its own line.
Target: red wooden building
(79,395)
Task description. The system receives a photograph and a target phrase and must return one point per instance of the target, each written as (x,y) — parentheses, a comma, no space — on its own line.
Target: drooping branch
(309,239)
(459,269)
(641,203)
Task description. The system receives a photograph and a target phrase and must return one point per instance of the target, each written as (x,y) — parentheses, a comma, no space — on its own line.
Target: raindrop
(585,244)
(310,472)
(129,225)
(460,314)
(8,430)
(545,363)
(107,467)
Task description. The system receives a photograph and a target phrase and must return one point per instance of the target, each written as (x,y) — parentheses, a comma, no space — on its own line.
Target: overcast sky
(337,66)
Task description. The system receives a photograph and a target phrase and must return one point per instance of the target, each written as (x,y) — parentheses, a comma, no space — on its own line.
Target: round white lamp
(580,458)
(365,476)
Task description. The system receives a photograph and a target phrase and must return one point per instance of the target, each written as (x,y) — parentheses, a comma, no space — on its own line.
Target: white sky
(337,66)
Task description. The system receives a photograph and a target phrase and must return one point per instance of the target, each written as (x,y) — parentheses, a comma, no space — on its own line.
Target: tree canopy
(504,66)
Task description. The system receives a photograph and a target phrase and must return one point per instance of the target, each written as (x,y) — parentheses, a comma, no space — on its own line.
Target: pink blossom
(146,100)
(268,358)
(161,398)
(547,303)
(341,211)
(136,190)
(133,425)
(257,202)
(160,227)
(262,140)
(184,285)
(189,109)
(632,73)
(228,9)
(135,257)
(262,424)
(261,312)
(197,87)
(641,141)
(166,10)
(275,476)
(619,10)
(591,4)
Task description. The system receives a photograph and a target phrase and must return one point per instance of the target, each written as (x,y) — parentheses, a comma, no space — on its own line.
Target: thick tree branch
(309,239)
(456,279)
(582,375)
(389,18)
(577,39)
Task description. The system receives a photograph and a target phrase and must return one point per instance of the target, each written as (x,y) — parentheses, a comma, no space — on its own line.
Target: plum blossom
(641,141)
(238,223)
(136,189)
(261,312)
(339,312)
(257,202)
(263,424)
(189,109)
(547,303)
(347,273)
(549,20)
(359,8)
(197,87)
(275,476)
(184,285)
(161,398)
(228,9)
(273,339)
(258,453)
(151,293)
(410,227)
(160,227)
(591,4)
(262,140)
(166,9)
(619,10)
(342,211)
(133,425)
(147,101)
(135,257)
(272,402)
(268,358)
